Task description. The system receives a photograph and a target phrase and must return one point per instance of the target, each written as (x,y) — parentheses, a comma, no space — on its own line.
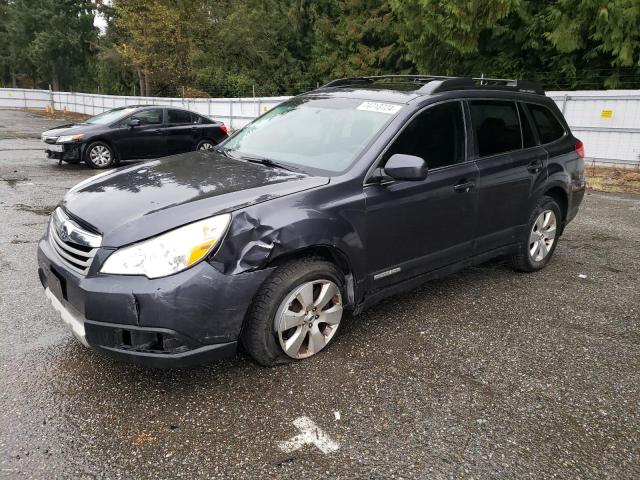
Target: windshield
(110,116)
(325,134)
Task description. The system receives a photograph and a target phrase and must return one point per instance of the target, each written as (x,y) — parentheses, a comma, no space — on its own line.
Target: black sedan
(134,132)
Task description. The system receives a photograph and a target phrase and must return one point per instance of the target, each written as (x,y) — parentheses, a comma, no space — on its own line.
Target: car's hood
(137,202)
(72,129)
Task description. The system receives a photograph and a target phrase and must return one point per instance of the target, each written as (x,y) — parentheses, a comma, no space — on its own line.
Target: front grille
(75,246)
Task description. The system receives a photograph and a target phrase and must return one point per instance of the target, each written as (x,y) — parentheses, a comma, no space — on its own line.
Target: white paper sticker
(379,107)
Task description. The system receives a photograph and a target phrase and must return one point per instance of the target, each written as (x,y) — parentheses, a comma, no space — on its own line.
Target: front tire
(99,155)
(540,239)
(296,313)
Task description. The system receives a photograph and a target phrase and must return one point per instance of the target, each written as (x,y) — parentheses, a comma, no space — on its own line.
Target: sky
(100,22)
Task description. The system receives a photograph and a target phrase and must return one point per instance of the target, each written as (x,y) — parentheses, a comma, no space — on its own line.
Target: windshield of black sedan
(324,134)
(110,116)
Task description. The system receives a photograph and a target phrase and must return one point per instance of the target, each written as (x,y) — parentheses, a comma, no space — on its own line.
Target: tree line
(281,47)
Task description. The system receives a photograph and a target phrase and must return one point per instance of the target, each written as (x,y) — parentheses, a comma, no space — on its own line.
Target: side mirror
(406,167)
(135,122)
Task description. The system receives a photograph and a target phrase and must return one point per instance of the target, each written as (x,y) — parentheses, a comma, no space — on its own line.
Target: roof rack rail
(349,81)
(438,83)
(463,83)
(521,85)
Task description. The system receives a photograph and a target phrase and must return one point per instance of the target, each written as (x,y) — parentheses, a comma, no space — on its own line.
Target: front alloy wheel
(543,235)
(296,313)
(308,318)
(99,155)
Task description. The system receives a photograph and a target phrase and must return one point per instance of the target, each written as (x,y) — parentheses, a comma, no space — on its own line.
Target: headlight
(170,252)
(69,138)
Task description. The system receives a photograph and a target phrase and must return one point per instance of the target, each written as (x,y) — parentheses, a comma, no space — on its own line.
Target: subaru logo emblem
(64,232)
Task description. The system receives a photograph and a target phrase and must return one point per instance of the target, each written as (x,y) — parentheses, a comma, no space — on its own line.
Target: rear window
(549,128)
(496,126)
(178,116)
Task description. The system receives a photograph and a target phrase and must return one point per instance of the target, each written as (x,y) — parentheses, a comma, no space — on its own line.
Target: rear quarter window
(549,128)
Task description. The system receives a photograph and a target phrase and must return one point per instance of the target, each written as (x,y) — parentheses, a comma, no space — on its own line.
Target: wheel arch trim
(559,192)
(330,253)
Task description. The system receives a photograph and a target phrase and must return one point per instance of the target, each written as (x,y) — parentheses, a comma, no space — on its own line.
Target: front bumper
(71,152)
(192,317)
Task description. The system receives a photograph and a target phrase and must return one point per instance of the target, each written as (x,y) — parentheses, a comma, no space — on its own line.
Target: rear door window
(178,117)
(496,126)
(436,135)
(549,128)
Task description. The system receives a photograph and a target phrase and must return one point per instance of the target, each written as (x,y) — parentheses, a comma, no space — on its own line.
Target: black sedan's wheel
(541,237)
(296,314)
(99,155)
(205,145)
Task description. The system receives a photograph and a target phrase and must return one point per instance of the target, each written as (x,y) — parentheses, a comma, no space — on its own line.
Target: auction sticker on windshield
(379,107)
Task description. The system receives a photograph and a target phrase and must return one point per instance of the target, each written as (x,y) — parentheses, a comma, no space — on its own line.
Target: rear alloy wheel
(205,145)
(539,241)
(99,155)
(543,235)
(296,313)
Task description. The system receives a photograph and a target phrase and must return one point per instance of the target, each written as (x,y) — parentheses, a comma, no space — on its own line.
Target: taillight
(580,149)
(223,128)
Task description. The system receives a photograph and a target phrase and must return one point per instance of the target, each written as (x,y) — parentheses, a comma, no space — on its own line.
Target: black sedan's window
(178,117)
(146,117)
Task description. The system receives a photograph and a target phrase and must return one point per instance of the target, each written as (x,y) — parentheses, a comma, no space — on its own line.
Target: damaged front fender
(260,234)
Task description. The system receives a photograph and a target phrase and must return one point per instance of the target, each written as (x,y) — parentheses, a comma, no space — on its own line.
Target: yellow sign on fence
(606,113)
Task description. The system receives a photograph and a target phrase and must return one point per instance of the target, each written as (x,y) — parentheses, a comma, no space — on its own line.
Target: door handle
(464,186)
(535,166)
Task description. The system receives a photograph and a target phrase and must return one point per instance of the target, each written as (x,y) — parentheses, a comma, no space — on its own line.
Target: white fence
(234,112)
(608,122)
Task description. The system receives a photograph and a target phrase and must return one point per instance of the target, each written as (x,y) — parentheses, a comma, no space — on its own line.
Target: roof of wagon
(404,88)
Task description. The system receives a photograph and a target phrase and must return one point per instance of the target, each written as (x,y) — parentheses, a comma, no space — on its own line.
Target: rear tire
(279,319)
(205,145)
(540,239)
(99,155)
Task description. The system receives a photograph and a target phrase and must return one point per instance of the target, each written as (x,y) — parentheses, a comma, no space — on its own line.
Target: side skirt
(414,282)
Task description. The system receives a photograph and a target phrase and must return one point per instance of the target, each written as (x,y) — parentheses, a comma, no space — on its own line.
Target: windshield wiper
(270,163)
(255,159)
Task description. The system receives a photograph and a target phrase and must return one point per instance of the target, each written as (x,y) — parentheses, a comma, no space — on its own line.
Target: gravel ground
(488,373)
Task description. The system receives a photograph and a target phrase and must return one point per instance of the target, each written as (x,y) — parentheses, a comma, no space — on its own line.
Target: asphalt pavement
(488,373)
